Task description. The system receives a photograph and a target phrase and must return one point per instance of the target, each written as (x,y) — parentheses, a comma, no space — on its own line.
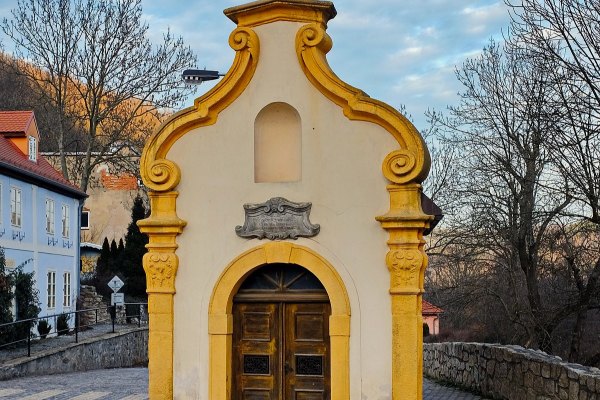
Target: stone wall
(114,350)
(90,300)
(510,372)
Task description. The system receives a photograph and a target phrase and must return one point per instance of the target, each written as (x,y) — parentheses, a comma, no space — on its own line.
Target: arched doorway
(222,304)
(281,346)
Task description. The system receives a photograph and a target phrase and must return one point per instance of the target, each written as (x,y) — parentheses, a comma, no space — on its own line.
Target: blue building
(39,214)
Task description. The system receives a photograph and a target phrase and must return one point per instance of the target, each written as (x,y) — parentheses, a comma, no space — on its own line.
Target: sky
(403,52)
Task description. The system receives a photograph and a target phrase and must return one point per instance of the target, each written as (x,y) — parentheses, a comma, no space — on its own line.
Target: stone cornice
(267,11)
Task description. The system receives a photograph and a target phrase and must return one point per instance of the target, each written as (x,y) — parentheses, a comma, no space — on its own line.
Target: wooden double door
(281,347)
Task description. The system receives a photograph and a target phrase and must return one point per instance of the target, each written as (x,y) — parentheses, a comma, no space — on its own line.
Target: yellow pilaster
(406,261)
(161,176)
(160,264)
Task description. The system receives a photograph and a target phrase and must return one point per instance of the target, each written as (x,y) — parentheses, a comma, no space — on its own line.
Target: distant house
(90,252)
(431,317)
(107,210)
(39,214)
(108,206)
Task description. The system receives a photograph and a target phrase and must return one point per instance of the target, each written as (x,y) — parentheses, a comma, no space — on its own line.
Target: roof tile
(429,308)
(11,155)
(15,121)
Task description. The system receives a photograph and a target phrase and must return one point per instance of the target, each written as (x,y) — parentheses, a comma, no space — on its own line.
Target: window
(50,216)
(32,148)
(51,289)
(15,206)
(0,203)
(85,219)
(67,289)
(65,220)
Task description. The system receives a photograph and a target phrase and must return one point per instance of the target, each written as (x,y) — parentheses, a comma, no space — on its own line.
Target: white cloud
(479,19)
(354,20)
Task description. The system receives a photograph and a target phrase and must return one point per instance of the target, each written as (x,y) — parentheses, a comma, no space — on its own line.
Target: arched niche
(277,144)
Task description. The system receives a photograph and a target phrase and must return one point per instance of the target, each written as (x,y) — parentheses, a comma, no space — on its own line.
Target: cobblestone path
(132,384)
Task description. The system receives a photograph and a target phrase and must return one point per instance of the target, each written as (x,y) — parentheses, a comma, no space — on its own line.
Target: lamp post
(197,76)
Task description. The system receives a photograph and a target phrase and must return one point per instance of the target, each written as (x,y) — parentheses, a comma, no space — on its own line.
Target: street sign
(115,284)
(117,299)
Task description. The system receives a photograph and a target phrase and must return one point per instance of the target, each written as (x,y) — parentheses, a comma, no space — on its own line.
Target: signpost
(116,299)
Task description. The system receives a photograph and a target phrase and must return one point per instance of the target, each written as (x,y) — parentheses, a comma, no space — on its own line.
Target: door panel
(256,341)
(307,351)
(281,351)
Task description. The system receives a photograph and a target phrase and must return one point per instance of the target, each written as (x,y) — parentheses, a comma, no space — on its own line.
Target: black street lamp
(197,76)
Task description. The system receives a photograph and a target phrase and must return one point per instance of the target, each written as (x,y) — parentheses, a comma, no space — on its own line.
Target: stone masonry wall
(115,350)
(510,372)
(91,300)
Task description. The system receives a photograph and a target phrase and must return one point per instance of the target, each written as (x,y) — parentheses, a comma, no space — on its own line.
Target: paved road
(132,384)
(105,384)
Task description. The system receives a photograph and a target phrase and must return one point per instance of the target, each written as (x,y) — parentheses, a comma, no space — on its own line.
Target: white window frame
(0,203)
(66,289)
(87,212)
(65,220)
(50,216)
(51,289)
(16,206)
(32,142)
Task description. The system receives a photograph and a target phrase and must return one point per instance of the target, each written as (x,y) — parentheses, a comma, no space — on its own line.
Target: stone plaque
(277,219)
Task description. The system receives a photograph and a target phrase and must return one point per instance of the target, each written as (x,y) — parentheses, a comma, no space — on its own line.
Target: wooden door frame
(220,318)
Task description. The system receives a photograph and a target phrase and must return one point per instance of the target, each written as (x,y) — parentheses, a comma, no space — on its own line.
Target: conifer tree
(114,251)
(104,269)
(103,264)
(135,248)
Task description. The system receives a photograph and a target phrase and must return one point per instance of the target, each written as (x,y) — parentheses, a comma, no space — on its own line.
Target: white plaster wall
(341,176)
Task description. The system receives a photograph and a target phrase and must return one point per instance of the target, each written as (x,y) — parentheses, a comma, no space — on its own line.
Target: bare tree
(507,194)
(567,33)
(94,61)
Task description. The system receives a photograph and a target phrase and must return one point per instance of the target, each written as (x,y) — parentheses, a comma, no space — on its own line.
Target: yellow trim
(267,11)
(405,221)
(220,325)
(406,260)
(160,265)
(161,174)
(409,164)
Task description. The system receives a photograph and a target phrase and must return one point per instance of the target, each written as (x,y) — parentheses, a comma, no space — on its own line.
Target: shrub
(43,328)
(6,297)
(26,300)
(62,324)
(18,288)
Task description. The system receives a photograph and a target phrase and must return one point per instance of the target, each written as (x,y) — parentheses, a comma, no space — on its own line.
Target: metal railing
(84,319)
